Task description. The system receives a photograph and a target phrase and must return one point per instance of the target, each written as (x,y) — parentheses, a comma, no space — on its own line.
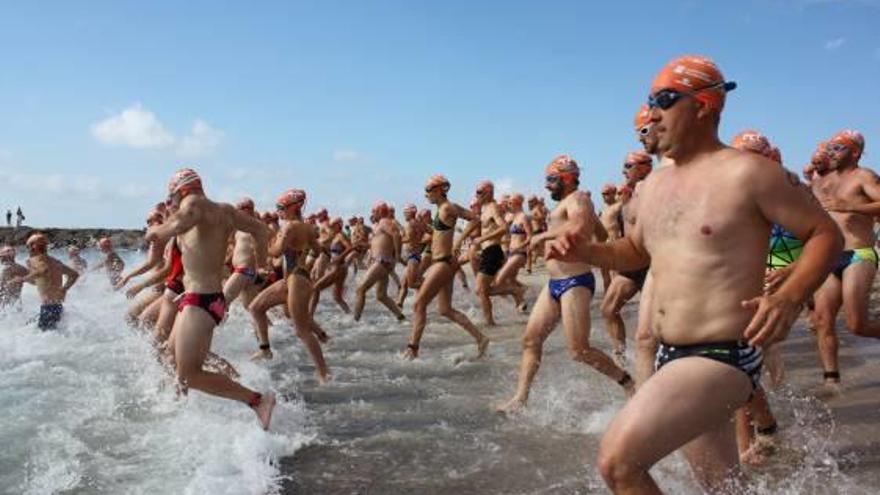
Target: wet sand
(389,426)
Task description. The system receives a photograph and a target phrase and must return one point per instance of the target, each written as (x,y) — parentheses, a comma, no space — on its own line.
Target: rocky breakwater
(84,238)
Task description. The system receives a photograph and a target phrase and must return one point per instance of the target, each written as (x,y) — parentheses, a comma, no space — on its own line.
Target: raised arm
(70,276)
(154,259)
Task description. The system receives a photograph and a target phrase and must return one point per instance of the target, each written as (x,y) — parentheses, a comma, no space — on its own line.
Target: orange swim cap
(437,180)
(609,189)
(690,73)
(851,139)
(105,243)
(639,157)
(184,179)
(37,240)
(291,197)
(563,166)
(753,141)
(643,116)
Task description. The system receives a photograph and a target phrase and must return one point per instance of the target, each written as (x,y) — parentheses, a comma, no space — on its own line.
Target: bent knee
(617,469)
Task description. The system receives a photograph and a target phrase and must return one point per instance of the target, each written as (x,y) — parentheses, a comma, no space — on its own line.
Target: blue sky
(353,101)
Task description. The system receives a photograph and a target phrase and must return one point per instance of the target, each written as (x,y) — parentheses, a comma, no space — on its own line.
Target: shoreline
(82,237)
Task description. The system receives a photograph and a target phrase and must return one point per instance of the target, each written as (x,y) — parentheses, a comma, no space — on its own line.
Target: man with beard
(567,295)
(851,194)
(704,226)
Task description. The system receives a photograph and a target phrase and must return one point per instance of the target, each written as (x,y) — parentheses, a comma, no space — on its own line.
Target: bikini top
(516,228)
(439,225)
(337,248)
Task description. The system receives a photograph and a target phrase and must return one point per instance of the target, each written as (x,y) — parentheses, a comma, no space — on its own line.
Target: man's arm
(782,200)
(154,259)
(36,269)
(574,242)
(185,218)
(281,240)
(871,188)
(70,276)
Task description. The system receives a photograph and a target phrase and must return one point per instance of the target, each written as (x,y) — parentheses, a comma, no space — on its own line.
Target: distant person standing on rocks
(19,217)
(9,218)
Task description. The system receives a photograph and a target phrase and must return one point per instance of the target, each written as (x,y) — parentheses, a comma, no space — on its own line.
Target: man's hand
(832,204)
(774,316)
(133,291)
(774,278)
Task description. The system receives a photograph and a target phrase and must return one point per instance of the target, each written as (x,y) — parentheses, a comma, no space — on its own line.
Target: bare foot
(264,410)
(828,390)
(619,358)
(512,406)
(411,352)
(323,378)
(760,451)
(261,354)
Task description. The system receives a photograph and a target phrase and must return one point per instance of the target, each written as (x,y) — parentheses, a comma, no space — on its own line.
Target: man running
(155,261)
(413,241)
(203,228)
(851,194)
(10,277)
(703,223)
(111,263)
(245,280)
(567,295)
(52,278)
(636,166)
(384,246)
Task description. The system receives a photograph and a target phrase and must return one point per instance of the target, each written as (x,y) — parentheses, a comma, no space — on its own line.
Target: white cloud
(201,140)
(135,127)
(834,44)
(346,155)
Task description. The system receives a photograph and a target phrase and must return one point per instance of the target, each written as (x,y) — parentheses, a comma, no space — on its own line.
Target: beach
(89,409)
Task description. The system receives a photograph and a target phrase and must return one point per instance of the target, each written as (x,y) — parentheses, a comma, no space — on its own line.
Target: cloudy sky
(353,101)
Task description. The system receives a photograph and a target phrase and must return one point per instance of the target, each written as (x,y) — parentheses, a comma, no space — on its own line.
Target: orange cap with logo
(690,73)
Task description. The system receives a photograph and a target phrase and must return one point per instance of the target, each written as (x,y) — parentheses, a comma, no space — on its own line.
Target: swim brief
(50,315)
(491,260)
(559,286)
(853,256)
(214,304)
(736,353)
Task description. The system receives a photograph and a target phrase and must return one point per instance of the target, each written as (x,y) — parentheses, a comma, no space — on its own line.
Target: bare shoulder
(866,174)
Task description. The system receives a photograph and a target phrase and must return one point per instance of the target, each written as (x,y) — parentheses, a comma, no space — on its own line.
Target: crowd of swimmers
(726,246)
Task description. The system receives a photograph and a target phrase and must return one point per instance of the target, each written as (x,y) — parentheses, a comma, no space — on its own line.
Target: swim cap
(7,252)
(184,179)
(516,199)
(852,140)
(639,157)
(437,180)
(410,209)
(775,155)
(245,203)
(533,198)
(693,72)
(352,221)
(563,166)
(37,240)
(609,189)
(336,220)
(485,185)
(643,116)
(425,214)
(291,197)
(754,141)
(105,243)
(380,209)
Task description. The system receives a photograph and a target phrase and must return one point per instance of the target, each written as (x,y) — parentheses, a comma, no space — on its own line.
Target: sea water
(89,409)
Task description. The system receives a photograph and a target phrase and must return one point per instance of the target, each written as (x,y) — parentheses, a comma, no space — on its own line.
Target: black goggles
(665,98)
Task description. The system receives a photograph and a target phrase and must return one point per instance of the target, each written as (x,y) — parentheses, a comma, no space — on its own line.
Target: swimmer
(337,270)
(520,232)
(567,295)
(851,195)
(295,289)
(538,216)
(703,223)
(384,248)
(154,262)
(76,261)
(439,277)
(245,280)
(111,263)
(414,245)
(203,228)
(624,285)
(10,277)
(51,277)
